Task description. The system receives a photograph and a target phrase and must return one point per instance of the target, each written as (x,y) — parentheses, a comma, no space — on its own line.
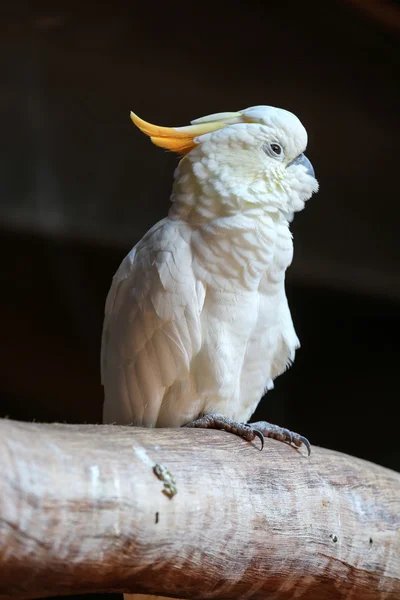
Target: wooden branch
(82,511)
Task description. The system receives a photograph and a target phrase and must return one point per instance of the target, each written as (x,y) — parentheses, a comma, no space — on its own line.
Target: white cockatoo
(197,324)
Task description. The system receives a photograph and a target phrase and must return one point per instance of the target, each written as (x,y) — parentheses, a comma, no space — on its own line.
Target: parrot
(197,324)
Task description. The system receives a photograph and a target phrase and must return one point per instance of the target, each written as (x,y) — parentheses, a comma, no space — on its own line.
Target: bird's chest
(243,254)
(281,258)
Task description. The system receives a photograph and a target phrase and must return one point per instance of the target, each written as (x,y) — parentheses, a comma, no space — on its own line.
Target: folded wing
(152,325)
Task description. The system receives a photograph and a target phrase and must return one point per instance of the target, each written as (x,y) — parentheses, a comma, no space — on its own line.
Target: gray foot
(282,434)
(249,431)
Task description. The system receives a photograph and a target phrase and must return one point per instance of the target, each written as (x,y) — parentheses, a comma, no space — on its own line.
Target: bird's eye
(276,149)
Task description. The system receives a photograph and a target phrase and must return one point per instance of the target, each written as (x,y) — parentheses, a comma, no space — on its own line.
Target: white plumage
(197,319)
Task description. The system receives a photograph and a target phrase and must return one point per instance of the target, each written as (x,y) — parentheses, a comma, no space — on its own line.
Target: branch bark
(82,511)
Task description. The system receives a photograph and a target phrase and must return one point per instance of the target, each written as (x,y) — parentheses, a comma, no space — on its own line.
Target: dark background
(79,186)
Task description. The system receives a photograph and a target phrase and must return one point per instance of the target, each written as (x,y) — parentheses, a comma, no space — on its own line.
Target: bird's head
(254,157)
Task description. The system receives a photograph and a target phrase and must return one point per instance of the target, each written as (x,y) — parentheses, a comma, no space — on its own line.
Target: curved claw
(307,444)
(302,440)
(260,436)
(289,434)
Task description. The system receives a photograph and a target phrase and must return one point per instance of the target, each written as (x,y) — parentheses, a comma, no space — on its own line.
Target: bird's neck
(200,196)
(233,240)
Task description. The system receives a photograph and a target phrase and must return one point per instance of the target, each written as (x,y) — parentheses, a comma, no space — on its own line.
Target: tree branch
(82,511)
